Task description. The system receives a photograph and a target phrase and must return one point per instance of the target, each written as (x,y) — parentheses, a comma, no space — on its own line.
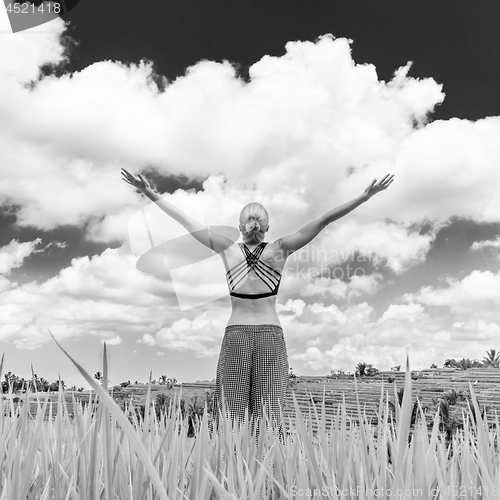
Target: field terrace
(309,392)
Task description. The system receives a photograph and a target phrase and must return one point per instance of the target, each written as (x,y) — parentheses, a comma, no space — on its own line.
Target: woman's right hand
(376,188)
(138,181)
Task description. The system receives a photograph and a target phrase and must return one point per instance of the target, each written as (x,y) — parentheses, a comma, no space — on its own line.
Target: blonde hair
(254,220)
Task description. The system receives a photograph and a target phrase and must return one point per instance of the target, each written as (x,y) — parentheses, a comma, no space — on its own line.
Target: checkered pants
(252,370)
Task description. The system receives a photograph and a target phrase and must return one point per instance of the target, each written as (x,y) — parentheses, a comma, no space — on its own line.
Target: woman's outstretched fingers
(125,173)
(132,179)
(126,178)
(384,183)
(389,180)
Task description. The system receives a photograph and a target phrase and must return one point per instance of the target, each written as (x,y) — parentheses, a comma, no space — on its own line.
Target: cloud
(357,286)
(476,330)
(303,119)
(478,290)
(5,283)
(94,296)
(302,322)
(430,325)
(398,246)
(201,335)
(493,243)
(325,337)
(15,253)
(113,340)
(310,354)
(448,169)
(407,312)
(23,53)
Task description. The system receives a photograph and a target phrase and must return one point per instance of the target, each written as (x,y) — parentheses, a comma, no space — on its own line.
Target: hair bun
(252,226)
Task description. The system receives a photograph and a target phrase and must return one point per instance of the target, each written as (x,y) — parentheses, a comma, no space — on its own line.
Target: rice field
(100,451)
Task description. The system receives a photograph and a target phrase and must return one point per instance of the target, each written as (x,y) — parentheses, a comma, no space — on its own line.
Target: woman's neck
(250,243)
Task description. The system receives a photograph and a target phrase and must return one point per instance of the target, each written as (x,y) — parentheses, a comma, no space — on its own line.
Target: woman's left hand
(374,188)
(138,181)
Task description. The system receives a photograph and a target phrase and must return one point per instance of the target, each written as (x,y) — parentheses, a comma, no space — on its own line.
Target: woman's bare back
(248,311)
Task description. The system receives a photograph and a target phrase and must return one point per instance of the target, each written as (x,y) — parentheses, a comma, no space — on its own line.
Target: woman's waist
(253,311)
(254,327)
(265,314)
(258,307)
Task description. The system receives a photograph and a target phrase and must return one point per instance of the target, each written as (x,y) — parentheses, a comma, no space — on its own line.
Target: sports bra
(271,277)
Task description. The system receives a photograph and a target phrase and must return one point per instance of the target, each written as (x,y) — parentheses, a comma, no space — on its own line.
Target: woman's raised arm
(303,236)
(207,237)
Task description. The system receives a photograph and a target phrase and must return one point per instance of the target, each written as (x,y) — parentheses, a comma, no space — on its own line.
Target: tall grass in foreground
(111,454)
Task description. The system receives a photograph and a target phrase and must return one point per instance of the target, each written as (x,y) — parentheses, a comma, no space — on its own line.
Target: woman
(252,371)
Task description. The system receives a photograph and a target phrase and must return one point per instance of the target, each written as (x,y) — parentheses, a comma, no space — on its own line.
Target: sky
(296,105)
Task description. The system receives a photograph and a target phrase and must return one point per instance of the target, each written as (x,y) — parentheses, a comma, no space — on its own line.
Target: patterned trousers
(252,372)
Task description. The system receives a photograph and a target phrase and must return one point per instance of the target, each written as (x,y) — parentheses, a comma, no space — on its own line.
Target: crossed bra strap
(271,277)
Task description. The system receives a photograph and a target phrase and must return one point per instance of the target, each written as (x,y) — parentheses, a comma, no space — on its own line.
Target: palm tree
(414,411)
(362,368)
(371,371)
(163,404)
(463,364)
(98,376)
(41,384)
(492,359)
(11,380)
(466,363)
(54,386)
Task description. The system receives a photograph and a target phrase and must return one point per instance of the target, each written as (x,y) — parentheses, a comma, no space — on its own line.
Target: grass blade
(110,404)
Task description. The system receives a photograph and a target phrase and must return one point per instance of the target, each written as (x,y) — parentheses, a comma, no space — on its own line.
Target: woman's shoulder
(276,244)
(277,247)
